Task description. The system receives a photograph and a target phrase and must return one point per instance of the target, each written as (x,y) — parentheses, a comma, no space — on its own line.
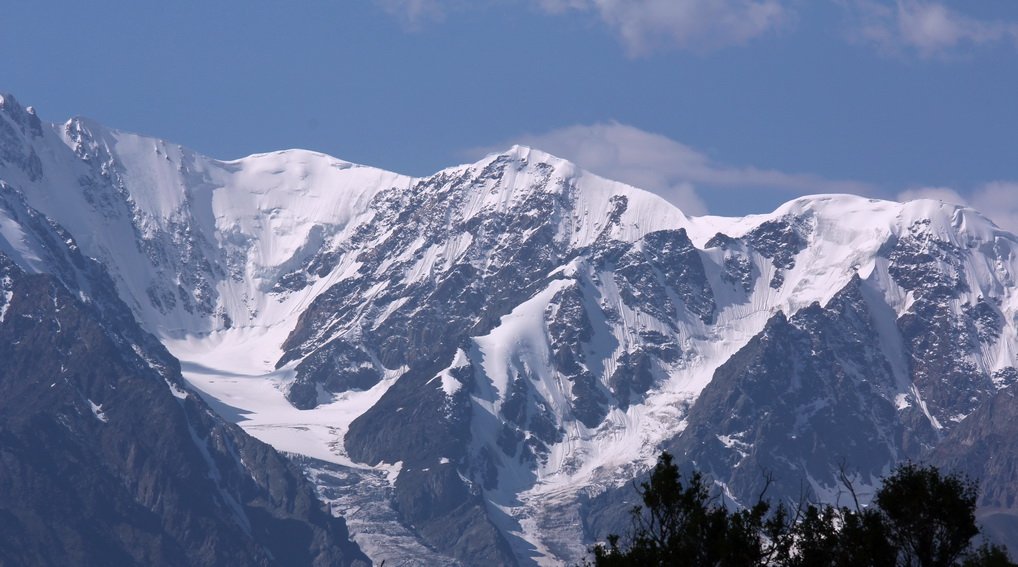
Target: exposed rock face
(417,424)
(794,402)
(662,264)
(337,367)
(983,447)
(852,386)
(779,240)
(22,123)
(107,458)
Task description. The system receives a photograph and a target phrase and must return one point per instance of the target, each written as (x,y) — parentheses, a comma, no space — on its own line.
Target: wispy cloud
(899,27)
(642,26)
(996,200)
(669,168)
(928,29)
(415,13)
(945,194)
(699,25)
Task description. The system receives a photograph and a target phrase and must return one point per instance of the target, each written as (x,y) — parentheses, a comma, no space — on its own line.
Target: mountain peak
(524,154)
(7,101)
(26,119)
(939,217)
(528,153)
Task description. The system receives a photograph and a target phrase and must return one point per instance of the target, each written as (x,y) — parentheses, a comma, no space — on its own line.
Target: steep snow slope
(107,457)
(194,244)
(509,338)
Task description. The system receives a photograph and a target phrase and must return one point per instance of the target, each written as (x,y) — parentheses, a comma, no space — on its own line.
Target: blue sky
(722,106)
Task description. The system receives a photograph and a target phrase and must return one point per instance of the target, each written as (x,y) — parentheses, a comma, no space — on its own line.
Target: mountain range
(248,361)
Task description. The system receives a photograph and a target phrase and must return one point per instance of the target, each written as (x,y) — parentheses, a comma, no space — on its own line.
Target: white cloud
(924,27)
(667,167)
(945,194)
(415,13)
(927,28)
(642,25)
(700,25)
(997,200)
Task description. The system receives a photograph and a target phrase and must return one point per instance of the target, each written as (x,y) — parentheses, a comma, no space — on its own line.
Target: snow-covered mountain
(473,365)
(106,457)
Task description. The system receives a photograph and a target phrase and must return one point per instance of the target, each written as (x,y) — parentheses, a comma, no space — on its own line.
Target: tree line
(919,517)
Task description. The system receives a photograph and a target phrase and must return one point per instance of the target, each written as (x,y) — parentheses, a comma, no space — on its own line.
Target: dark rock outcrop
(983,447)
(107,459)
(807,393)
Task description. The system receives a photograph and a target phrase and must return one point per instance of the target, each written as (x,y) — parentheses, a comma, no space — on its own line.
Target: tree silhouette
(682,524)
(919,518)
(931,518)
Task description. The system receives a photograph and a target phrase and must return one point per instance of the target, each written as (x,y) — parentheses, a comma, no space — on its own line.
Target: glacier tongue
(546,330)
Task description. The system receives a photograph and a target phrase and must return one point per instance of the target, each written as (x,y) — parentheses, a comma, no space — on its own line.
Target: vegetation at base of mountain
(919,517)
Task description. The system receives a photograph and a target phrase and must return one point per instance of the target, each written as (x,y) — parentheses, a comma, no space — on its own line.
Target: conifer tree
(919,518)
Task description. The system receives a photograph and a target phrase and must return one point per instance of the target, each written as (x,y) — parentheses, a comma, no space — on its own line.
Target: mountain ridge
(554,329)
(109,457)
